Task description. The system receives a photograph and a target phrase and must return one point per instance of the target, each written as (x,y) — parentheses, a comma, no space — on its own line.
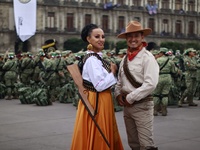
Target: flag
(25,18)
(152,9)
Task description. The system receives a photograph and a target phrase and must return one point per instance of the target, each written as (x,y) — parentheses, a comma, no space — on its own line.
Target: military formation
(179,79)
(42,78)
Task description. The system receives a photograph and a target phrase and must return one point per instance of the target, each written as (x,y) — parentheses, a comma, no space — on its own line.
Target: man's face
(192,54)
(134,39)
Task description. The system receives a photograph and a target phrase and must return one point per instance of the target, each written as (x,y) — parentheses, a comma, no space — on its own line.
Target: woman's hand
(113,68)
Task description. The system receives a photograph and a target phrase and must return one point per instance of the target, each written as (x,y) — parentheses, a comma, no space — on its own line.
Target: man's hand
(120,100)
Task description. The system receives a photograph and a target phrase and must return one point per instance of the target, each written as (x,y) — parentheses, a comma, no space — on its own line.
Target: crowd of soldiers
(179,79)
(43,78)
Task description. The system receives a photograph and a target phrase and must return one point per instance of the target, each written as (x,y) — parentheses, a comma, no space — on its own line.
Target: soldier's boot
(190,101)
(53,99)
(181,101)
(8,97)
(164,110)
(155,111)
(151,148)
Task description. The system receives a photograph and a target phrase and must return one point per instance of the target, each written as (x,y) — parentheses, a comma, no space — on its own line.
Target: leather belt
(146,99)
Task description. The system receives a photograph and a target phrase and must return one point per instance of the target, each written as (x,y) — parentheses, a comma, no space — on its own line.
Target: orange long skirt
(86,135)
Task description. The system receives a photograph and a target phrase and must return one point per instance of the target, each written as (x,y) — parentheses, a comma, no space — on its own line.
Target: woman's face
(97,39)
(134,39)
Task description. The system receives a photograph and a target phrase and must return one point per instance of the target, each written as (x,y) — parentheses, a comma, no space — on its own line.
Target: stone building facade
(170,20)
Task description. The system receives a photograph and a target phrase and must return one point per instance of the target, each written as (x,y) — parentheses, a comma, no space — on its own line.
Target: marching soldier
(190,77)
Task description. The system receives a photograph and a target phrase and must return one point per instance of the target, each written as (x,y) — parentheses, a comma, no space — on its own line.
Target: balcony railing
(163,10)
(70,29)
(191,35)
(90,4)
(180,12)
(192,12)
(140,8)
(72,3)
(51,2)
(51,29)
(123,7)
(179,35)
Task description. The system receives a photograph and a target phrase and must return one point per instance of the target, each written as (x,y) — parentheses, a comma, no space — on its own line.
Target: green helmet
(11,55)
(189,50)
(163,50)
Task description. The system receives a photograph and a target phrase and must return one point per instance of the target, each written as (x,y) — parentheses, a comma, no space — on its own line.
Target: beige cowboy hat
(134,26)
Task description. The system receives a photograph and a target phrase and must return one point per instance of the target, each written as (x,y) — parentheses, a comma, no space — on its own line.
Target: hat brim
(145,33)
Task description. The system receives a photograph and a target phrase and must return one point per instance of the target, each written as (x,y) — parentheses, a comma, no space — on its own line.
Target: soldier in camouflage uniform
(155,53)
(197,89)
(1,67)
(190,77)
(51,77)
(2,86)
(175,90)
(27,68)
(161,92)
(10,77)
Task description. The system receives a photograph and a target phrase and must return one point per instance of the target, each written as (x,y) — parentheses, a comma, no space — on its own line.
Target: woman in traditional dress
(98,78)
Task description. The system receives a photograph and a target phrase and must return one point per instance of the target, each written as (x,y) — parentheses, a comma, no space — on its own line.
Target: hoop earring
(89,47)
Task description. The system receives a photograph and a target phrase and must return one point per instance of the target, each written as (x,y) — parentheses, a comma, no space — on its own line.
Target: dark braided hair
(86,31)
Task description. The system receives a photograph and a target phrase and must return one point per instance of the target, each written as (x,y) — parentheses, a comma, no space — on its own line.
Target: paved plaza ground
(31,127)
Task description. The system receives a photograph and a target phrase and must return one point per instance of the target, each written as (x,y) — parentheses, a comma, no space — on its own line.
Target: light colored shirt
(94,72)
(145,69)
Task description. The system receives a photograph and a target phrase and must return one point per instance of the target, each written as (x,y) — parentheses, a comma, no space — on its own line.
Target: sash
(129,76)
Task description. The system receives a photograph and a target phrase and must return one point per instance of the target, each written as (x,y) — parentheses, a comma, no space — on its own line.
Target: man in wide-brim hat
(137,78)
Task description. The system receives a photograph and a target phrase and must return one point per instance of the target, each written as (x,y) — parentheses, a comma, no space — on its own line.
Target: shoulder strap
(129,76)
(164,64)
(106,64)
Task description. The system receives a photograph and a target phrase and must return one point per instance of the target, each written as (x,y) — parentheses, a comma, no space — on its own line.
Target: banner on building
(25,18)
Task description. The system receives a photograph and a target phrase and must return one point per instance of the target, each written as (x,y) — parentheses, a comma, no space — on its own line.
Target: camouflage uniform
(197,59)
(161,92)
(190,77)
(51,77)
(2,86)
(10,77)
(1,67)
(27,68)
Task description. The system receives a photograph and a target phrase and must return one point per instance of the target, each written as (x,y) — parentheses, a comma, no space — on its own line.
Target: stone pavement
(31,127)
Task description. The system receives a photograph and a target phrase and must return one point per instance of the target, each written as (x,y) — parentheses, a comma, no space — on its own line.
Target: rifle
(76,75)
